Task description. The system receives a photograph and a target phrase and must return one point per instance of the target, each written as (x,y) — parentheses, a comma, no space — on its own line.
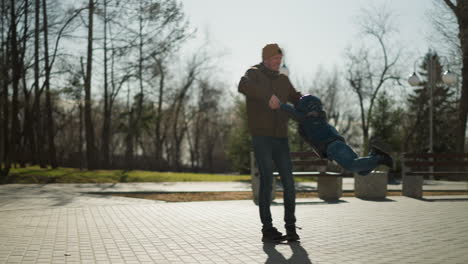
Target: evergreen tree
(385,120)
(444,112)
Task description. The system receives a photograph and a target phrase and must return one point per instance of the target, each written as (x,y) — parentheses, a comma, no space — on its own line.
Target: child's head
(309,103)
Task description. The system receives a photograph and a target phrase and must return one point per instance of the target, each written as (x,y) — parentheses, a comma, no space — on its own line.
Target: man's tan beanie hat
(270,50)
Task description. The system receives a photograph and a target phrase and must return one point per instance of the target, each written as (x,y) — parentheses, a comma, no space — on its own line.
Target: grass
(35,174)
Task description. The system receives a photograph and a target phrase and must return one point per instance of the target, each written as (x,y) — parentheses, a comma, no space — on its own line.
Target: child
(328,143)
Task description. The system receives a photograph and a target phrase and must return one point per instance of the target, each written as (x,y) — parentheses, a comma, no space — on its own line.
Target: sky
(314,34)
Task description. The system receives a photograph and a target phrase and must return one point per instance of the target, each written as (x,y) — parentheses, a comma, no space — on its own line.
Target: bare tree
(16,76)
(49,107)
(193,137)
(90,144)
(114,48)
(73,89)
(116,83)
(28,144)
(204,129)
(327,86)
(31,121)
(106,128)
(460,10)
(215,133)
(367,73)
(159,30)
(4,102)
(141,51)
(129,135)
(446,30)
(179,128)
(160,130)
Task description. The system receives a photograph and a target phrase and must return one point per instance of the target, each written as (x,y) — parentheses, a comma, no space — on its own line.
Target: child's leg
(345,156)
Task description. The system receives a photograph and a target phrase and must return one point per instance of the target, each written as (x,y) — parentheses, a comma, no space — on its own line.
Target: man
(264,88)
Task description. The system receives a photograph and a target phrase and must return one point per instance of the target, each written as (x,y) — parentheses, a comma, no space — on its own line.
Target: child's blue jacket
(313,125)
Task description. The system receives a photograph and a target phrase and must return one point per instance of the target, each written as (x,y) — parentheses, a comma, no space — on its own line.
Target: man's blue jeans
(269,150)
(345,156)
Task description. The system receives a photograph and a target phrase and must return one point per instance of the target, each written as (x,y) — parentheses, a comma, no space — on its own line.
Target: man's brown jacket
(258,85)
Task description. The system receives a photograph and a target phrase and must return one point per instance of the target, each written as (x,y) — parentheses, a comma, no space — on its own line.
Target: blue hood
(309,103)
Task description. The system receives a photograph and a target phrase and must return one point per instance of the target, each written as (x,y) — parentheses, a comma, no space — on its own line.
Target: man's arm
(291,111)
(294,95)
(248,86)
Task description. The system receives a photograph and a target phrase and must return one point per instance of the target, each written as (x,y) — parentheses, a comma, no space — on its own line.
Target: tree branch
(452,6)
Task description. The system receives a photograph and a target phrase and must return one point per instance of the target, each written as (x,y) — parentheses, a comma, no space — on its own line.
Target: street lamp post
(284,70)
(448,78)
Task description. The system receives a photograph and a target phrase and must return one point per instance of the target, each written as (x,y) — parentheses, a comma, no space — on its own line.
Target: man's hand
(274,102)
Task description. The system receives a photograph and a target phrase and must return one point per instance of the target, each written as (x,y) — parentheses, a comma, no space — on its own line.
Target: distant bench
(414,166)
(329,184)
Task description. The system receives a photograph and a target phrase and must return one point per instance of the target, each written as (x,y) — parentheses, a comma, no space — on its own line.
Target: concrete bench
(414,166)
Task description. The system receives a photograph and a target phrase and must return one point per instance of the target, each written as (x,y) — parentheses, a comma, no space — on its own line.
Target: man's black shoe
(291,234)
(272,235)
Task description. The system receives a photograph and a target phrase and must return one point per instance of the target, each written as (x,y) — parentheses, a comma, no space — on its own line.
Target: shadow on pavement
(63,200)
(303,188)
(100,186)
(313,202)
(27,188)
(377,199)
(299,255)
(443,199)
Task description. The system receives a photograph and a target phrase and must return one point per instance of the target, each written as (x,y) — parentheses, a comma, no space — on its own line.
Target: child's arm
(291,111)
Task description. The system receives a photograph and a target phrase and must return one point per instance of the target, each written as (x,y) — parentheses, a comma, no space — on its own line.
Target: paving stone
(43,227)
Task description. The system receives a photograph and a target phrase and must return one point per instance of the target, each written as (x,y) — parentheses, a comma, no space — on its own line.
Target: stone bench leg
(372,186)
(330,188)
(413,186)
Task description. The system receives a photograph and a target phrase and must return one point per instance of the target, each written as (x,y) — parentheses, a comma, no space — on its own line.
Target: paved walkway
(64,224)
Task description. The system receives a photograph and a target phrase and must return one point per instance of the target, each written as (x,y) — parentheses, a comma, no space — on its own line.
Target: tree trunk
(22,154)
(36,118)
(115,90)
(80,144)
(35,111)
(364,127)
(129,139)
(5,158)
(135,112)
(90,147)
(178,109)
(193,138)
(139,111)
(159,134)
(16,74)
(105,142)
(50,121)
(209,150)
(460,10)
(29,139)
(462,16)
